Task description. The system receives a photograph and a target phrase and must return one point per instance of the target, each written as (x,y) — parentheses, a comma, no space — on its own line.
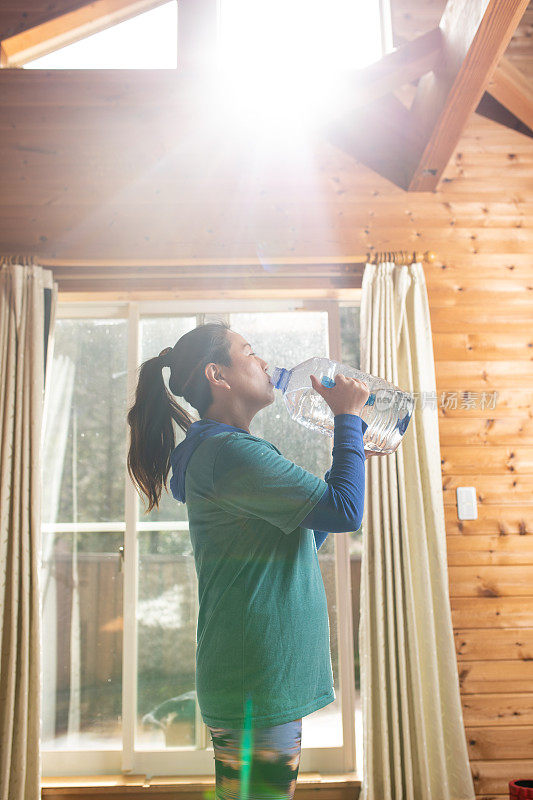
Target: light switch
(466,502)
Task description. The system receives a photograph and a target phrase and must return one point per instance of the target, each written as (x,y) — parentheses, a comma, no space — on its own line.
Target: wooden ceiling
(15,18)
(77,143)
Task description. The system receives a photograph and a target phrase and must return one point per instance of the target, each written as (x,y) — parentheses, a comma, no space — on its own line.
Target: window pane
(157,333)
(350,328)
(285,339)
(166,619)
(168,591)
(305,34)
(82,640)
(83,484)
(83,479)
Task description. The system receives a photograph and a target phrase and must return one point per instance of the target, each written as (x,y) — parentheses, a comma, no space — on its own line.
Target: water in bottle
(387,411)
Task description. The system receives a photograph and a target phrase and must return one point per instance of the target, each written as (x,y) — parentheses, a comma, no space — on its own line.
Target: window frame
(198,759)
(72,26)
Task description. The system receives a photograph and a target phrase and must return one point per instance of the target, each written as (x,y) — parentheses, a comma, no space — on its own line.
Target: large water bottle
(387,411)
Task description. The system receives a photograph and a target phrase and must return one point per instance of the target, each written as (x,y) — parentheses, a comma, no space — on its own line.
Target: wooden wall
(14,19)
(89,176)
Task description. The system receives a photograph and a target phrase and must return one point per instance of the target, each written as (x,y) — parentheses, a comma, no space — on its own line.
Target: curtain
(28,298)
(414,745)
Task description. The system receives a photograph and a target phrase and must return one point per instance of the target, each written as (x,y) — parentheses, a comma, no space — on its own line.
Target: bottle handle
(329,382)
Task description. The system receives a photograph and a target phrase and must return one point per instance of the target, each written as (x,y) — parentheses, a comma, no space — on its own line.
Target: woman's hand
(347,396)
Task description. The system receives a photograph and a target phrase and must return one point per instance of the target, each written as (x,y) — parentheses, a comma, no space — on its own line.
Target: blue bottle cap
(325,381)
(280,378)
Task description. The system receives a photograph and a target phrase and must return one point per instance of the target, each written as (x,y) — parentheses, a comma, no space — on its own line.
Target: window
(311,36)
(306,36)
(146,41)
(119,586)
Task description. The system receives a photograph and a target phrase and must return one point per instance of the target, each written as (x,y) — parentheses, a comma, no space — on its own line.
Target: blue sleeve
(340,507)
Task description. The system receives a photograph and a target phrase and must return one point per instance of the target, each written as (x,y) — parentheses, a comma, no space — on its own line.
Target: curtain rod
(400,256)
(396,256)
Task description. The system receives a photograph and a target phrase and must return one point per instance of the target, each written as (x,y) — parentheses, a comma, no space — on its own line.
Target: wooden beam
(378,135)
(70,27)
(492,109)
(475,36)
(511,88)
(333,280)
(403,65)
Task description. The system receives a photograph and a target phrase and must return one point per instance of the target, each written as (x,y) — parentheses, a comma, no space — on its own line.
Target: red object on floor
(521,789)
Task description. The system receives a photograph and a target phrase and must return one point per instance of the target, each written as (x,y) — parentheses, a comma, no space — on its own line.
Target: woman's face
(248,376)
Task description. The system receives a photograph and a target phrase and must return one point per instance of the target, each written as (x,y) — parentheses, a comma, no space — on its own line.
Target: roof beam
(511,88)
(378,134)
(70,27)
(403,65)
(475,36)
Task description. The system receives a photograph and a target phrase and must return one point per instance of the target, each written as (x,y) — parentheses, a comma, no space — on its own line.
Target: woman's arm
(321,536)
(340,508)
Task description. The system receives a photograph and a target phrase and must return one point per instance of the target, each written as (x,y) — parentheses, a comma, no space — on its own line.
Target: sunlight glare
(279,59)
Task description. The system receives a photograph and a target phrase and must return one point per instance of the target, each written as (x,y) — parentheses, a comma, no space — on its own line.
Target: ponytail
(151,416)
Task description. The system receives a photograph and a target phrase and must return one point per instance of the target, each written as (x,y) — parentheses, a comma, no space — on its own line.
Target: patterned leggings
(257,764)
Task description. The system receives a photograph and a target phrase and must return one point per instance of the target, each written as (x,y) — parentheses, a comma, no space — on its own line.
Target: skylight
(280,63)
(281,36)
(282,60)
(257,37)
(147,41)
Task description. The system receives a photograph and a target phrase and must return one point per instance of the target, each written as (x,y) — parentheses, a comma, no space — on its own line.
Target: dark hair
(150,417)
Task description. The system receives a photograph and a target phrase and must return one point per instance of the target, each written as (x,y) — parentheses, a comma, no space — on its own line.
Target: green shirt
(263,650)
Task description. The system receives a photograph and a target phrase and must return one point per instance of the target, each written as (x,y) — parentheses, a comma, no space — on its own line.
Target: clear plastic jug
(387,411)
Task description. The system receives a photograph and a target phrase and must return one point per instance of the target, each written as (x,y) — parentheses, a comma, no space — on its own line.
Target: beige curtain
(28,298)
(414,745)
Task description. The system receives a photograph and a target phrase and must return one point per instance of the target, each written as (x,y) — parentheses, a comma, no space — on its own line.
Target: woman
(256,520)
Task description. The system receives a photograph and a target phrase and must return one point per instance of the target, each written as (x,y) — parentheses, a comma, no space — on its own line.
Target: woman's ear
(215,377)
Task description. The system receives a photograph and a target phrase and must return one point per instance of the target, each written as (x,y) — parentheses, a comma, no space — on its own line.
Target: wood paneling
(474,551)
(491,581)
(479,677)
(503,644)
(491,777)
(501,520)
(491,489)
(492,612)
(484,346)
(499,743)
(15,17)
